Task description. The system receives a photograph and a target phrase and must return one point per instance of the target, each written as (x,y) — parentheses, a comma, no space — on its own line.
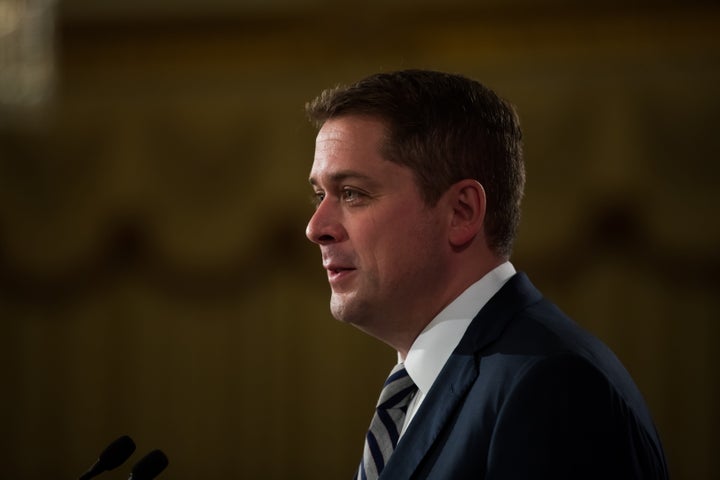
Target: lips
(336,269)
(337,272)
(332,270)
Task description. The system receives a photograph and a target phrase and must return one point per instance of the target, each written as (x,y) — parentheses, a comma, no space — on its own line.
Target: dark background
(154,275)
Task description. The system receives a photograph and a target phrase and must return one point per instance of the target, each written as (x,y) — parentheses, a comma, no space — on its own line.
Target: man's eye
(350,195)
(317,198)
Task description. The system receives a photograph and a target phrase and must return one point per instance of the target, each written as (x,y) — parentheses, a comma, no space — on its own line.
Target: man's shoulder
(541,344)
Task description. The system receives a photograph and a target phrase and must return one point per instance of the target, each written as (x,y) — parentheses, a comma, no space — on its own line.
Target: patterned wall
(155,279)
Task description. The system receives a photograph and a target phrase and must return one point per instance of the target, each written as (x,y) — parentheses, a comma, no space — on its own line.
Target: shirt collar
(432,348)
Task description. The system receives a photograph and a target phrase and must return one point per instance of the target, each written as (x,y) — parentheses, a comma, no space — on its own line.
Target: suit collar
(458,375)
(432,348)
(516,295)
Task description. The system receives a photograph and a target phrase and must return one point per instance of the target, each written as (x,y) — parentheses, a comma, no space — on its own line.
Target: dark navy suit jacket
(528,394)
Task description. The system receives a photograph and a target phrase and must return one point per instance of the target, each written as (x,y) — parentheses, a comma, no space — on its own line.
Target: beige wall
(155,279)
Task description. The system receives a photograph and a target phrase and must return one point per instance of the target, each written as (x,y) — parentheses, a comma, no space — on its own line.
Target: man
(418,178)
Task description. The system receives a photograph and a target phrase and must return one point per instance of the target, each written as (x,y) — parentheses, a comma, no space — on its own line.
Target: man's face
(381,245)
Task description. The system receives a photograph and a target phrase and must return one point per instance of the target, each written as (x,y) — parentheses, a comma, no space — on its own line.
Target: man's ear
(467,199)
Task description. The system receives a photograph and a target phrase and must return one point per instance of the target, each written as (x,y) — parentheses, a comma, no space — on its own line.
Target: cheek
(412,244)
(396,244)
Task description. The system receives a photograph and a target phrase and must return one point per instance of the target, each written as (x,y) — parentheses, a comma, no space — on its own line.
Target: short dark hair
(445,128)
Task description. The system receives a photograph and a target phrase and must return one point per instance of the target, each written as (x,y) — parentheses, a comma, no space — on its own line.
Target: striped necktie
(387,423)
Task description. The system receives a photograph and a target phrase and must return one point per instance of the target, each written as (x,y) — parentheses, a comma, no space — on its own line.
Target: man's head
(418,178)
(445,128)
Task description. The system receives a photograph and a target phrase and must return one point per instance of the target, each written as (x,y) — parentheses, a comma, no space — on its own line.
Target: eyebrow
(342,175)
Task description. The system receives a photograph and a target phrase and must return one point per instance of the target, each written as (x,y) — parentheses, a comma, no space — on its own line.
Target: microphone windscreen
(117,452)
(112,457)
(149,466)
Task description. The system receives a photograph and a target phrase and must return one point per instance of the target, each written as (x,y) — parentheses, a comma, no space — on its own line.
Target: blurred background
(154,275)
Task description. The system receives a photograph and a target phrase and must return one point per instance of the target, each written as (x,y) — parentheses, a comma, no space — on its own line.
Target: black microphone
(113,456)
(149,466)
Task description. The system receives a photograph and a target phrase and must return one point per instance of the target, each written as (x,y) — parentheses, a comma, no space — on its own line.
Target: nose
(325,226)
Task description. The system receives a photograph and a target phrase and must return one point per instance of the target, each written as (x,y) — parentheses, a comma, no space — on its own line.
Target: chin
(348,311)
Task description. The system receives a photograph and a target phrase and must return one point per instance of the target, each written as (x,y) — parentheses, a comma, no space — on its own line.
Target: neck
(407,327)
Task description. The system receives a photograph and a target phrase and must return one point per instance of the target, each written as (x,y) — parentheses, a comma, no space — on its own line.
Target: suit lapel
(457,376)
(448,390)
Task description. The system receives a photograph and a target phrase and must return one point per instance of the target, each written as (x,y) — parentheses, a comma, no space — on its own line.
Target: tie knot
(398,389)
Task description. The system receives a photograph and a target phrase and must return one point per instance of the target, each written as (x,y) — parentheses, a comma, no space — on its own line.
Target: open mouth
(336,274)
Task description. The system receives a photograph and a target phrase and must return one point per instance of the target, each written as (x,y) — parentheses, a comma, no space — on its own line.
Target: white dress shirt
(432,348)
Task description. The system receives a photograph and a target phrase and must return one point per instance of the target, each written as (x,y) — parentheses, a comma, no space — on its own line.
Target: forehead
(348,143)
